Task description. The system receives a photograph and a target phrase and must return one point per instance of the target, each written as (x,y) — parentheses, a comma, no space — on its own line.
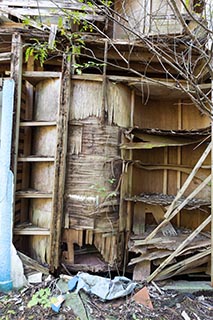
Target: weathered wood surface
(181,246)
(88,174)
(16,75)
(60,165)
(47,111)
(32,264)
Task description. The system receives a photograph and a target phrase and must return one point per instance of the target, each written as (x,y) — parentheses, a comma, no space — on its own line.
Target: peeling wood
(60,166)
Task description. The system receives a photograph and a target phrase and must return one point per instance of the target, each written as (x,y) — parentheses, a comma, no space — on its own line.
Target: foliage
(38,50)
(103,192)
(41,297)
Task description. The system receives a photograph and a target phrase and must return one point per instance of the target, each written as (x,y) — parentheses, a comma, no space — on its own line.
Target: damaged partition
(91,239)
(168,198)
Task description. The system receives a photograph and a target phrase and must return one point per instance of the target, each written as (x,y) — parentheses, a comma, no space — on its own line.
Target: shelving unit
(36,163)
(166,139)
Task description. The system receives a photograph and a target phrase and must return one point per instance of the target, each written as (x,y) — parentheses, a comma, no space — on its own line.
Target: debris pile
(74,298)
(194,257)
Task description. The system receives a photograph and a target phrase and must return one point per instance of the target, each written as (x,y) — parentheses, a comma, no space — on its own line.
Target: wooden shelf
(33,194)
(35,77)
(37,123)
(30,230)
(36,159)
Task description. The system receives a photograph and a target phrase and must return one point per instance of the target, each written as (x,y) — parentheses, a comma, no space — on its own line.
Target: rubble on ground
(62,299)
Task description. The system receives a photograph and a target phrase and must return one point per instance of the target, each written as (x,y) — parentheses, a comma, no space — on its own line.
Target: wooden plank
(60,166)
(104,84)
(165,171)
(32,263)
(16,13)
(36,4)
(16,75)
(33,194)
(33,231)
(212,189)
(184,264)
(179,151)
(37,123)
(41,74)
(48,5)
(36,159)
(129,218)
(34,77)
(5,57)
(181,246)
(150,255)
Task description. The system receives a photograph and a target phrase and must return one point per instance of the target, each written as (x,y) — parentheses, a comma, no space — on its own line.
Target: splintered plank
(32,263)
(180,248)
(142,270)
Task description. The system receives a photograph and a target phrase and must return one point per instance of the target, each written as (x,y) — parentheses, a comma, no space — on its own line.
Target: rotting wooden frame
(167,216)
(174,210)
(59,174)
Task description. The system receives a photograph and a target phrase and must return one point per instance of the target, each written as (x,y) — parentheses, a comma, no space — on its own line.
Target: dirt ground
(167,305)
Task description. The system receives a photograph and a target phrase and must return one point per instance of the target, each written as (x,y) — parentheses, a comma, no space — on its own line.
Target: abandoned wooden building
(110,153)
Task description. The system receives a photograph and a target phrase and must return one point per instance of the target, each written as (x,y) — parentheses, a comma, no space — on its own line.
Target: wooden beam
(60,165)
(212,189)
(16,75)
(179,151)
(104,83)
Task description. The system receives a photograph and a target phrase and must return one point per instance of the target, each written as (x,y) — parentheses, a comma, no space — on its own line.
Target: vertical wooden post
(130,169)
(165,171)
(104,82)
(60,165)
(16,75)
(212,186)
(179,157)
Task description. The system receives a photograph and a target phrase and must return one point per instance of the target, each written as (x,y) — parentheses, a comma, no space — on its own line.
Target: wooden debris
(191,255)
(27,261)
